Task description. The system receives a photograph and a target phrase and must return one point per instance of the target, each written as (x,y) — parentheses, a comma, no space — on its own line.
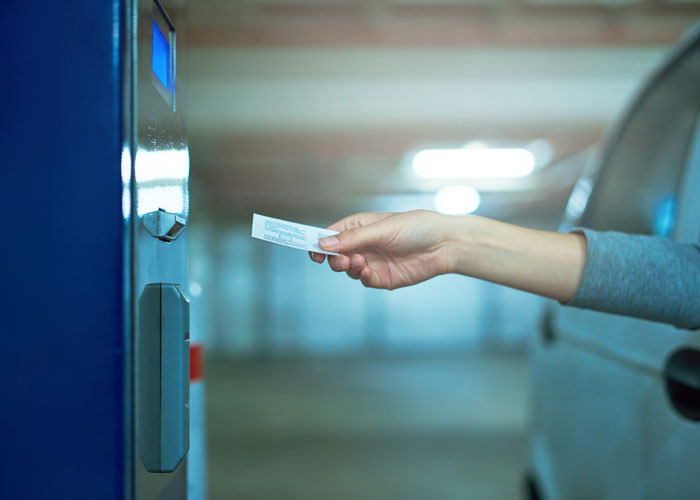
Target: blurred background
(311,110)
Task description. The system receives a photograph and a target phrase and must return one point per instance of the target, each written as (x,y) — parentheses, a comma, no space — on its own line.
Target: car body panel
(603,424)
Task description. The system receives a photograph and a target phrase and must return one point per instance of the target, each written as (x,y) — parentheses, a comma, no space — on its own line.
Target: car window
(636,192)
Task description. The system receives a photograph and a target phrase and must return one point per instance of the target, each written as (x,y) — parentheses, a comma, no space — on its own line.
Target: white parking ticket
(289,234)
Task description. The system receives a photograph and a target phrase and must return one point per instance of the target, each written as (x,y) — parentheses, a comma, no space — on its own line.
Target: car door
(604,424)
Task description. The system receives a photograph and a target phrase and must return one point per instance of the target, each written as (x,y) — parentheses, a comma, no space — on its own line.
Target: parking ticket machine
(155,174)
(95,314)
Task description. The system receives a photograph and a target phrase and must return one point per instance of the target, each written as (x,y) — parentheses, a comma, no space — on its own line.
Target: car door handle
(682,378)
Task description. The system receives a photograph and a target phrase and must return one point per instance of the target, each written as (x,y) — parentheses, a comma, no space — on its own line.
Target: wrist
(461,243)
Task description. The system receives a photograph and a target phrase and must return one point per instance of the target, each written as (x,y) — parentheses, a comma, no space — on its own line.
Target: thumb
(350,239)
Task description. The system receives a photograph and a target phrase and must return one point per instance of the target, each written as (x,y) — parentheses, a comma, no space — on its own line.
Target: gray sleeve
(642,276)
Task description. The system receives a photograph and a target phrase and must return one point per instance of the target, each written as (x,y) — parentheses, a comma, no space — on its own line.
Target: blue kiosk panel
(62,283)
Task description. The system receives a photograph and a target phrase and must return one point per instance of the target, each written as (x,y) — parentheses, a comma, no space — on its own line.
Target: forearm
(541,262)
(642,276)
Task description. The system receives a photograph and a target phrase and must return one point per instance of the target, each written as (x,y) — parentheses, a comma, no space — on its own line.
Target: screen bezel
(166,27)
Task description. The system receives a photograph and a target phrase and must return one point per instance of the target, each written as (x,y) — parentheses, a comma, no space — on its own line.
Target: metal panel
(159,167)
(164,371)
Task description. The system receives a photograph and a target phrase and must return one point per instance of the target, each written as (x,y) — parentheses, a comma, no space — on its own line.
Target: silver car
(616,408)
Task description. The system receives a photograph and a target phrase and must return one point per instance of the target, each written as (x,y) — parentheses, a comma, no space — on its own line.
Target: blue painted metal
(61,280)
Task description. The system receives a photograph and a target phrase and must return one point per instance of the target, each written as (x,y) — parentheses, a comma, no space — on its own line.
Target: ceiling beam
(468,24)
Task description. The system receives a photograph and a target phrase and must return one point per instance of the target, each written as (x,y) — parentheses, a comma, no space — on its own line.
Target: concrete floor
(370,429)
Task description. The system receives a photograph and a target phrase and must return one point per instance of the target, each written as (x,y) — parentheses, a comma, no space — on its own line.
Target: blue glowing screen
(665,211)
(160,60)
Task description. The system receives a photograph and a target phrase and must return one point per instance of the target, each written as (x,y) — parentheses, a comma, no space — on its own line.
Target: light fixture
(457,200)
(542,150)
(474,163)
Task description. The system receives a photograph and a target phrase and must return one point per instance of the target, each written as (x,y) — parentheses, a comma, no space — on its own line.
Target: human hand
(389,250)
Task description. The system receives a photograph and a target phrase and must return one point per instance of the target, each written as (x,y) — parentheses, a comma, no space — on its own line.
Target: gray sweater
(643,276)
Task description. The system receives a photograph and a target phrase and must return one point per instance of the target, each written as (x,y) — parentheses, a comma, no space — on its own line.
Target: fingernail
(329,241)
(355,261)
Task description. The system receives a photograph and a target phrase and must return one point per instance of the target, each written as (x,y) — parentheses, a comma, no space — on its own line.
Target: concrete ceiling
(307,107)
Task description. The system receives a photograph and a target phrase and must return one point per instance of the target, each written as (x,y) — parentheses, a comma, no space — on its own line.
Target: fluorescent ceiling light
(457,200)
(473,163)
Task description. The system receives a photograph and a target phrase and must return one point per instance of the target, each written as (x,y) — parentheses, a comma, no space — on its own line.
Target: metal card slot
(164,366)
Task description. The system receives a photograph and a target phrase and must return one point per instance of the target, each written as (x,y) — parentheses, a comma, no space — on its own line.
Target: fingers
(357,220)
(317,257)
(355,231)
(348,222)
(352,266)
(339,263)
(365,276)
(357,263)
(359,269)
(350,239)
(355,267)
(370,278)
